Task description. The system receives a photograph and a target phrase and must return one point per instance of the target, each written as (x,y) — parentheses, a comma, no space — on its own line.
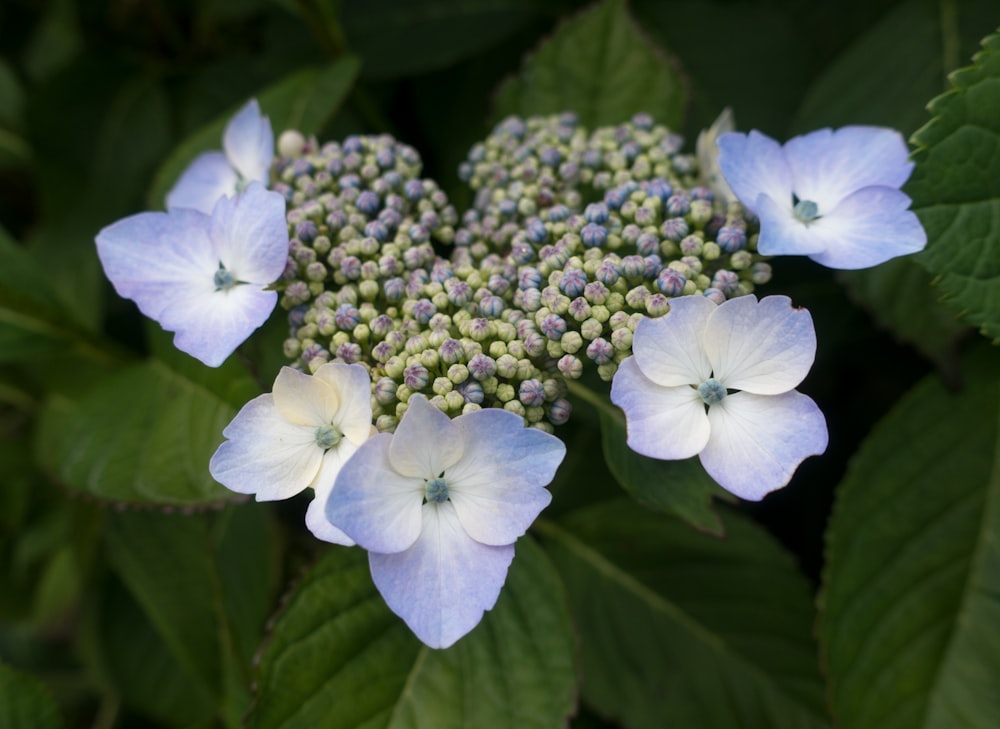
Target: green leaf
(911,598)
(143,435)
(683,629)
(404,38)
(681,488)
(339,658)
(899,296)
(25,703)
(600,65)
(956,190)
(205,584)
(305,101)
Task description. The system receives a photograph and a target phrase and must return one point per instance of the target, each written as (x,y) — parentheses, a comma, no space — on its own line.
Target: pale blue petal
(154,258)
(265,455)
(372,503)
(316,519)
(758,441)
(352,383)
(754,165)
(765,347)
(250,235)
(782,234)
(828,165)
(208,178)
(426,441)
(498,485)
(444,583)
(667,423)
(868,228)
(249,142)
(304,399)
(668,349)
(211,325)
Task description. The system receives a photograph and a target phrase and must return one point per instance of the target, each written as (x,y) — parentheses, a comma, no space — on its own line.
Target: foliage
(135,591)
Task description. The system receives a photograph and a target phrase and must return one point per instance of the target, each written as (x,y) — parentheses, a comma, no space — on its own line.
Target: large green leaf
(406,38)
(911,599)
(305,100)
(339,658)
(143,435)
(681,488)
(681,629)
(25,703)
(956,190)
(204,585)
(600,65)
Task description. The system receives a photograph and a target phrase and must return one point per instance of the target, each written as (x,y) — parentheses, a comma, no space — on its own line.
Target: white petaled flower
(831,195)
(248,145)
(708,156)
(202,276)
(297,437)
(717,381)
(439,505)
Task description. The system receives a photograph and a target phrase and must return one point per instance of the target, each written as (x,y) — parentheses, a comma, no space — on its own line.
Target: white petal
(668,349)
(668,423)
(265,454)
(782,234)
(754,165)
(372,503)
(211,325)
(305,399)
(444,583)
(827,165)
(316,519)
(868,228)
(250,235)
(152,258)
(758,441)
(249,142)
(208,178)
(426,442)
(765,347)
(498,486)
(352,384)
(708,155)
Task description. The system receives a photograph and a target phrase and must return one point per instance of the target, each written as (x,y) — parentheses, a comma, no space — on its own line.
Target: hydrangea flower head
(299,436)
(831,195)
(718,381)
(439,505)
(201,276)
(248,144)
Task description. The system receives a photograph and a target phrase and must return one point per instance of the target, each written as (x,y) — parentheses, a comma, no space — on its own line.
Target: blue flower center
(327,437)
(806,211)
(223,279)
(711,391)
(436,491)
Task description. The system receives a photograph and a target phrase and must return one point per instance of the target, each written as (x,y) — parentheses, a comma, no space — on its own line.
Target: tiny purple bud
(678,204)
(471,391)
(600,351)
(670,282)
(674,229)
(716,296)
(416,377)
(657,305)
(482,367)
(531,393)
(731,239)
(553,327)
(573,282)
(570,366)
(559,411)
(633,267)
(593,235)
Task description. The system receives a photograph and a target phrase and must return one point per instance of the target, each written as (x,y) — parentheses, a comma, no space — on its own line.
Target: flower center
(436,491)
(806,211)
(327,437)
(711,391)
(223,279)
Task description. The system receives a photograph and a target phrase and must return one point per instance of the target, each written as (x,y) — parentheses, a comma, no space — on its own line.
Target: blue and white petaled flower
(200,276)
(831,195)
(439,505)
(717,381)
(248,144)
(297,437)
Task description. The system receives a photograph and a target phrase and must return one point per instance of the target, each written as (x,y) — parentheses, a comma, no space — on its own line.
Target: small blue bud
(670,282)
(633,267)
(559,411)
(678,204)
(306,231)
(659,188)
(377,229)
(593,235)
(716,296)
(570,366)
(702,193)
(600,351)
(674,229)
(471,391)
(394,289)
(482,367)
(491,306)
(416,377)
(573,282)
(596,213)
(531,393)
(730,239)
(552,326)
(647,245)
(368,203)
(726,281)
(350,352)
(596,293)
(423,310)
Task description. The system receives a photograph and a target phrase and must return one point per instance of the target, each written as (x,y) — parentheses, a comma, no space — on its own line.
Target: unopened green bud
(515,406)
(458,373)
(497,349)
(361,333)
(470,407)
(490,385)
(442,386)
(454,400)
(571,341)
(395,366)
(506,366)
(711,251)
(430,358)
(403,393)
(505,392)
(607,370)
(600,314)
